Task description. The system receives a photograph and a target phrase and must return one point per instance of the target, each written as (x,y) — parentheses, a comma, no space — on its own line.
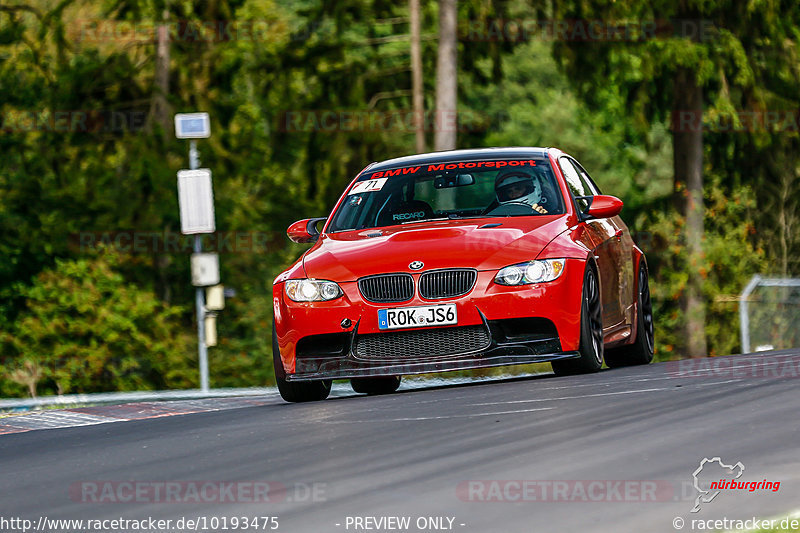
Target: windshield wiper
(450,216)
(424,220)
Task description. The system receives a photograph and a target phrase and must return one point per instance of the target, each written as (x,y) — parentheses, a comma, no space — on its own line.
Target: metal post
(194,160)
(202,351)
(744,318)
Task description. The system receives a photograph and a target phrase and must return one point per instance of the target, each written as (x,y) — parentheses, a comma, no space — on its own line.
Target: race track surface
(438,452)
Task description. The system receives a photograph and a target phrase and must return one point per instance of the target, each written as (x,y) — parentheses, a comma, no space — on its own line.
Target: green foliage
(71,320)
(744,58)
(540,109)
(84,329)
(732,256)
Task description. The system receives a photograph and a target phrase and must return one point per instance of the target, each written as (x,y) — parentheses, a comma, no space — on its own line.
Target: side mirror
(604,206)
(304,231)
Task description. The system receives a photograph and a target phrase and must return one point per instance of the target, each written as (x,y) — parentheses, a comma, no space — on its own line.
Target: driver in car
(518,187)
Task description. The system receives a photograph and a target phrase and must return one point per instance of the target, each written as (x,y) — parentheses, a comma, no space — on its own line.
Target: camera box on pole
(205,269)
(211,329)
(215,298)
(196,201)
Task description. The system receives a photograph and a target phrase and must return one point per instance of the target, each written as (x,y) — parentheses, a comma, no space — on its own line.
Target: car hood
(484,244)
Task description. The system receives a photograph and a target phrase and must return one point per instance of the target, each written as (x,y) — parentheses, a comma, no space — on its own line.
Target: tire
(373,386)
(296,391)
(591,342)
(640,352)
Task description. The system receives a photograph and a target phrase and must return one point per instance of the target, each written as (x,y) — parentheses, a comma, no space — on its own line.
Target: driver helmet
(518,187)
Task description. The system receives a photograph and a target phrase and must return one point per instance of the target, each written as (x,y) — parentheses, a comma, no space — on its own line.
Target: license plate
(414,317)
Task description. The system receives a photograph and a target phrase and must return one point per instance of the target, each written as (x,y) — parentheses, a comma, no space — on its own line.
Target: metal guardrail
(338,390)
(744,318)
(137,396)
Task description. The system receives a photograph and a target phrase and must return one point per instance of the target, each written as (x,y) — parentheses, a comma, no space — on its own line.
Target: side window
(577,185)
(586,178)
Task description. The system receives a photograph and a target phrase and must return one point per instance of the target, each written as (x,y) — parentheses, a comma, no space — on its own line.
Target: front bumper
(500,350)
(497,326)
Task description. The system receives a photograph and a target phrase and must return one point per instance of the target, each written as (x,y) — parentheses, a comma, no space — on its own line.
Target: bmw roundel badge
(416,265)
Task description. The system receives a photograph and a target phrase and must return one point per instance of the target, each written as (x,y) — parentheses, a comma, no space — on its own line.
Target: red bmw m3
(458,260)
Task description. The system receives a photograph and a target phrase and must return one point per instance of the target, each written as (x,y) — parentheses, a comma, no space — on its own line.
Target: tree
(418,95)
(687,149)
(682,54)
(84,329)
(447,77)
(159,108)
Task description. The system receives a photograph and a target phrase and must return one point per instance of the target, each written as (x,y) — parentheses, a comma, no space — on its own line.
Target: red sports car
(457,260)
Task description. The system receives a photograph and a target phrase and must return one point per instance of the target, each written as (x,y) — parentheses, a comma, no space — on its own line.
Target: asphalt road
(439,452)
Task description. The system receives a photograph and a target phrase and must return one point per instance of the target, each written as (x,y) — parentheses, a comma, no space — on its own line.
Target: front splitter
(349,367)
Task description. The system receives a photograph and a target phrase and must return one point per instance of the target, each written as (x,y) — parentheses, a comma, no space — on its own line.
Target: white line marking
(470,415)
(715,383)
(571,397)
(411,419)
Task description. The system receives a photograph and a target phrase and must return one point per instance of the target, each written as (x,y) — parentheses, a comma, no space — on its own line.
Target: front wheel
(591,343)
(372,386)
(641,351)
(296,391)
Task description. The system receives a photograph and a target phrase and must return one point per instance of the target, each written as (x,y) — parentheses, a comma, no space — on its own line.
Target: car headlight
(312,290)
(540,271)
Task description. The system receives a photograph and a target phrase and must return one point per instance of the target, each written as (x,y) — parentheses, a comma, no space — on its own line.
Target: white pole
(744,318)
(202,351)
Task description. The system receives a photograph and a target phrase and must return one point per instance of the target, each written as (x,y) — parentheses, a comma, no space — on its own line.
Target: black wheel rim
(646,309)
(594,313)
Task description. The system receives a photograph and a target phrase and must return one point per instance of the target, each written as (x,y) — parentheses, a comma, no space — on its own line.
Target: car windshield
(449,190)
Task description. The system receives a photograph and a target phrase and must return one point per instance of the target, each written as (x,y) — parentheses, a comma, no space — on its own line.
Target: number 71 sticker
(368,186)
